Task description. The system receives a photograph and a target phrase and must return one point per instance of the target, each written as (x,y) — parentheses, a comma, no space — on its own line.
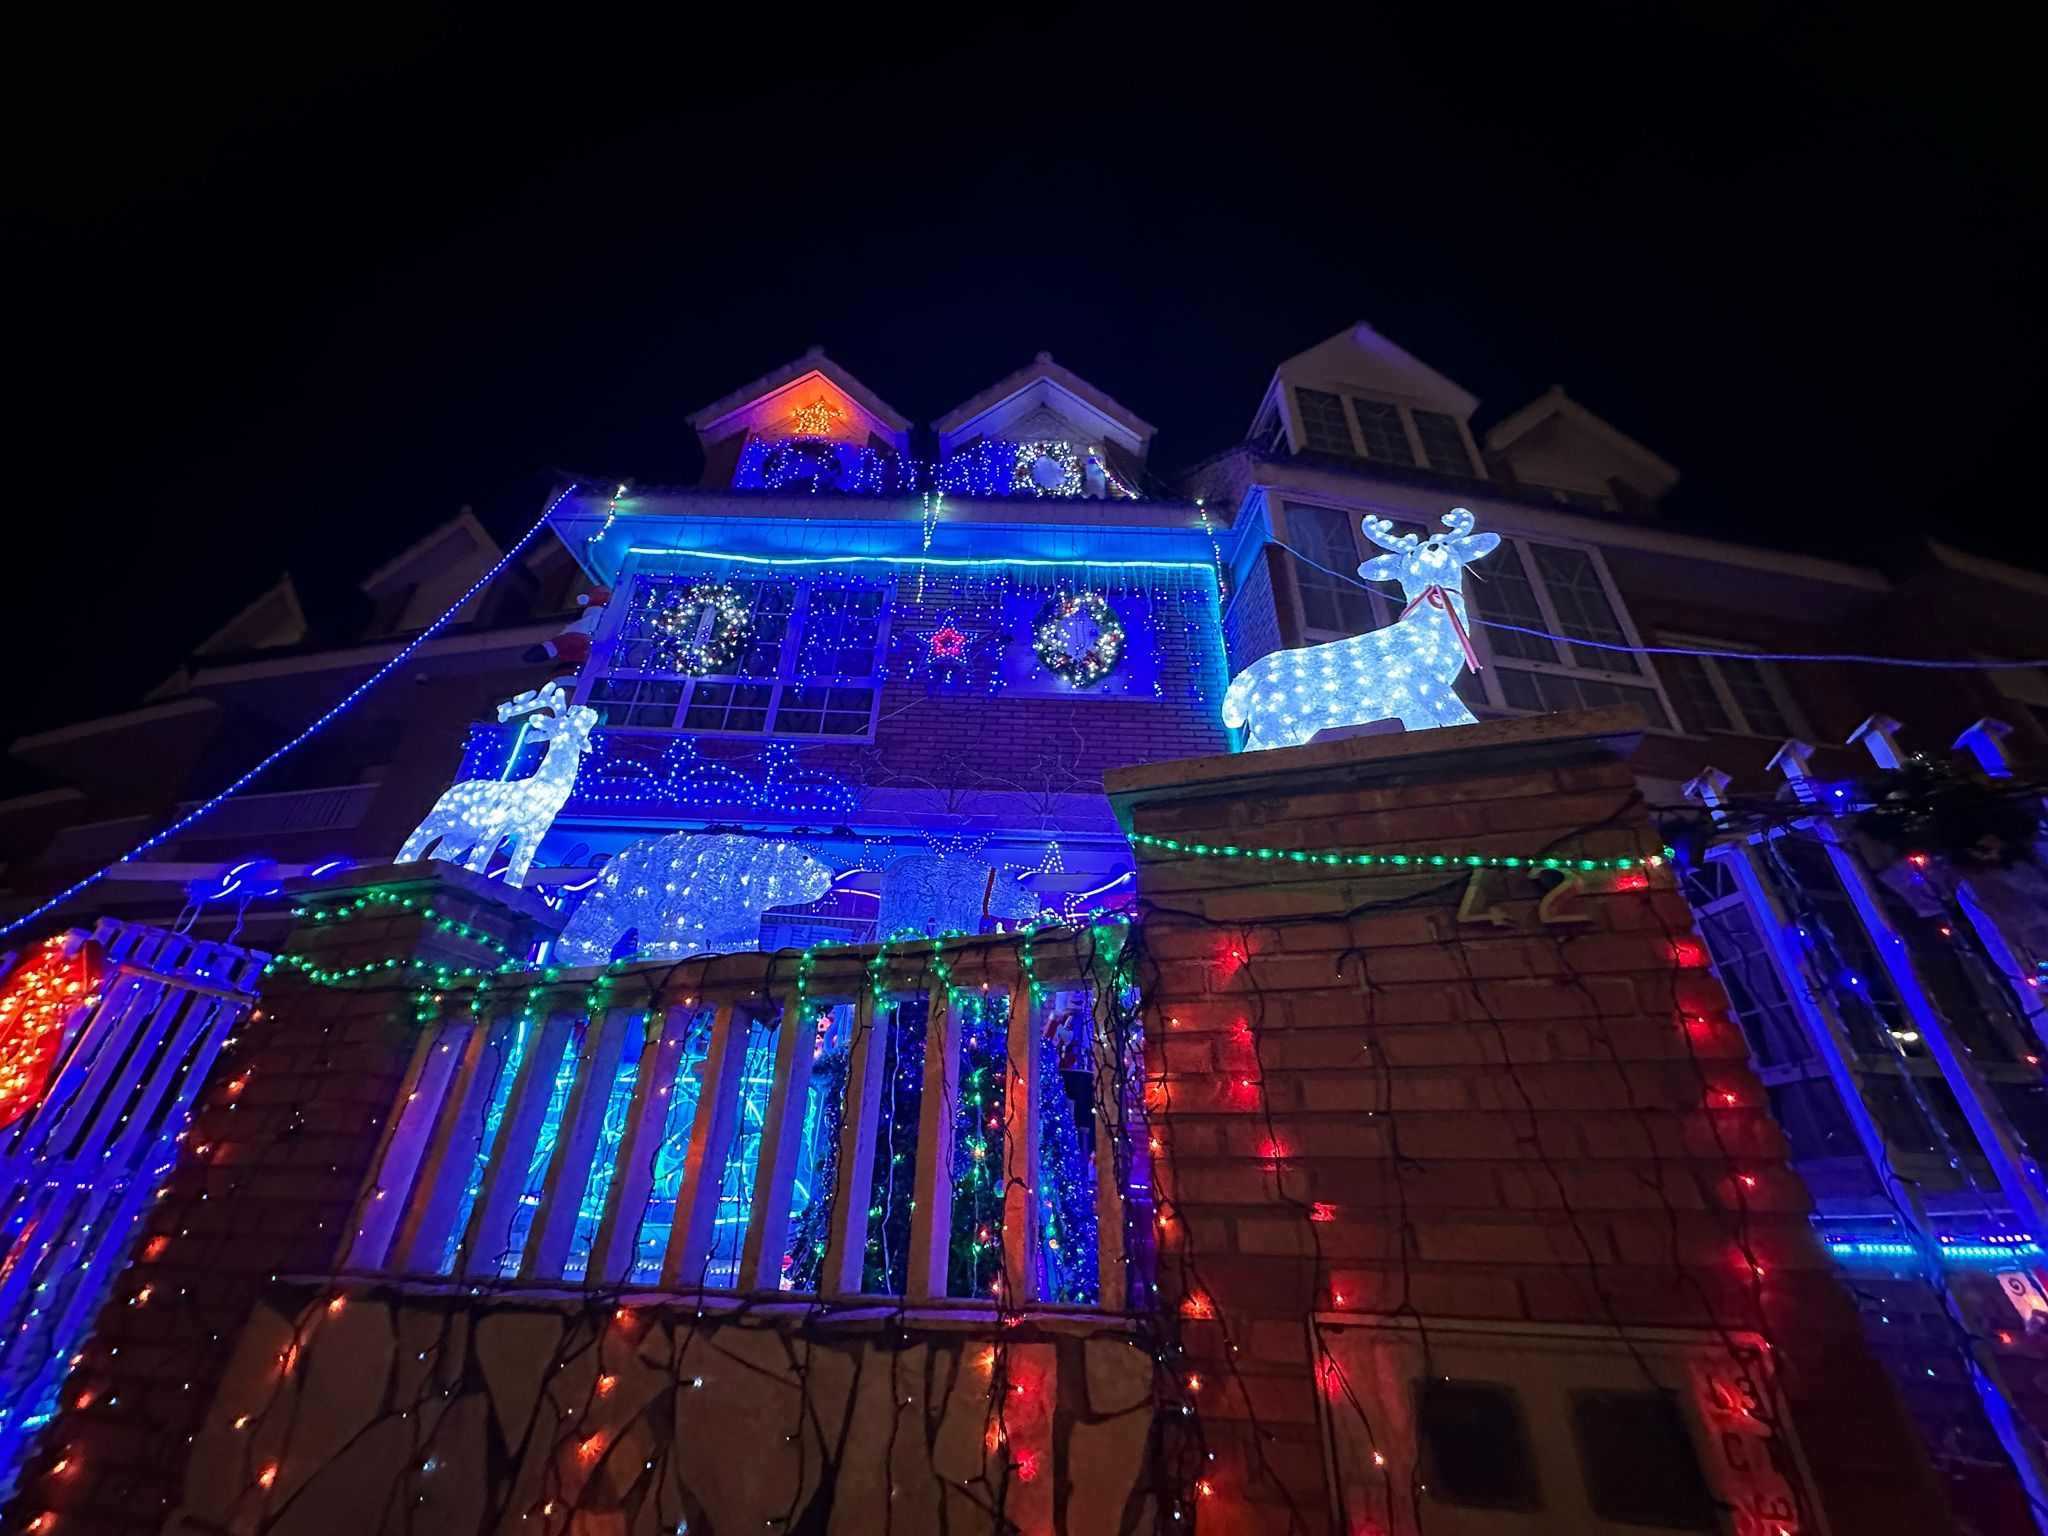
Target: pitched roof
(1555,403)
(476,539)
(1362,358)
(1057,379)
(812,362)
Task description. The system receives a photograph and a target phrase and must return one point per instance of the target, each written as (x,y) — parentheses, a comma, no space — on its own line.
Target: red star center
(949,642)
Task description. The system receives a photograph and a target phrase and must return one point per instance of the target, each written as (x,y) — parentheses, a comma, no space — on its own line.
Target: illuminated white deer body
(1403,672)
(475,817)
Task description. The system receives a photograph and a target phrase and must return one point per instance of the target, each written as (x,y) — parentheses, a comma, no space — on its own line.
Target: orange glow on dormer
(815,419)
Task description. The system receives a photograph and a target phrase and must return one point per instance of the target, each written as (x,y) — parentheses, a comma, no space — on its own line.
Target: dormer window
(1379,426)
(1323,427)
(1443,443)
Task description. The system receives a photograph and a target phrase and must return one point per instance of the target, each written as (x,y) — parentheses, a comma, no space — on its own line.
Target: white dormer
(1555,444)
(1071,438)
(1359,396)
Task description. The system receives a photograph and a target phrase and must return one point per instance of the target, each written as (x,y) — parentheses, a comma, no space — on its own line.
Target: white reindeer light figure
(475,817)
(1403,672)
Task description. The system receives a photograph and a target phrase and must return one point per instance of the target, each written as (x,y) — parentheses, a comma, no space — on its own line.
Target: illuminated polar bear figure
(930,893)
(1404,672)
(690,893)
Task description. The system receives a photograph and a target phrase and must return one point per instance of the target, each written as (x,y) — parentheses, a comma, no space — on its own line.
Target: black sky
(293,300)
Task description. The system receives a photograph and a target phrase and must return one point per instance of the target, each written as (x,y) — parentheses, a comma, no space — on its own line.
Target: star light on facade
(815,419)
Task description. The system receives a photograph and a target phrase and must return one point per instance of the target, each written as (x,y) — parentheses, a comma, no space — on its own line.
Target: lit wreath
(703,630)
(1023,475)
(1049,638)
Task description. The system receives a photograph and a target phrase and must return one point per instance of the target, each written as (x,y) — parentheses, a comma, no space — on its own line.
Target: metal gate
(77,1171)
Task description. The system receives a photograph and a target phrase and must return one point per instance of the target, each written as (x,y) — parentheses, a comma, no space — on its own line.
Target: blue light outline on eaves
(706,554)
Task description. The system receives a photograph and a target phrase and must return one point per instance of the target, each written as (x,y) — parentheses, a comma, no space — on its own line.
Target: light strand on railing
(206,807)
(1362,860)
(381,896)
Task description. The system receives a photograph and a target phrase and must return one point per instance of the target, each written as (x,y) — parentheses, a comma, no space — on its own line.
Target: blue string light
(206,807)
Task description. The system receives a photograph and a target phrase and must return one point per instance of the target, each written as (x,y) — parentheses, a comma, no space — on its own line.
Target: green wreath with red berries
(1053,638)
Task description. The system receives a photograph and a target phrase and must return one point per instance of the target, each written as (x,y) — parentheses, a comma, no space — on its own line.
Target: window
(1443,442)
(1731,694)
(1323,534)
(811,666)
(1639,1463)
(1584,611)
(1379,427)
(1560,590)
(1323,427)
(1474,1449)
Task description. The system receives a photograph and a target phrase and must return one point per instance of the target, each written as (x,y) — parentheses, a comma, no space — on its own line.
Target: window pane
(682,1093)
(841,631)
(1323,428)
(604,1159)
(892,1184)
(743,1157)
(1639,1463)
(1552,691)
(820,711)
(1497,588)
(1443,442)
(535,1182)
(1583,611)
(974,1262)
(1751,689)
(1066,1148)
(1697,689)
(1379,424)
(1323,535)
(1473,1450)
(816,1184)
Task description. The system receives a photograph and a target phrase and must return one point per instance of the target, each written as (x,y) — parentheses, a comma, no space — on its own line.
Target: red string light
(36,1004)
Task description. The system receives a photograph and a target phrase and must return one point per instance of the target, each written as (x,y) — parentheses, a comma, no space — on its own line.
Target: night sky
(293,301)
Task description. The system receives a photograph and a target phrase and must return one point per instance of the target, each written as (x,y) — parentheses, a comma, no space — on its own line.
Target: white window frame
(1774,680)
(1382,603)
(785,680)
(1647,680)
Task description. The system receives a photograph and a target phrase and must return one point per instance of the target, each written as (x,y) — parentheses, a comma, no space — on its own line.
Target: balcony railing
(951,1123)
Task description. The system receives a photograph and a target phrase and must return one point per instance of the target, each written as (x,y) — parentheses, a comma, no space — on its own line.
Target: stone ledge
(1490,745)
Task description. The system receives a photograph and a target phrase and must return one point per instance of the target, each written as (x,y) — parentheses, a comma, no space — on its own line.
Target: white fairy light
(476,817)
(690,893)
(1406,671)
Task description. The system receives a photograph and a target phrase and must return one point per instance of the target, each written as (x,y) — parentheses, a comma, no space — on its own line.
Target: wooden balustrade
(624,1136)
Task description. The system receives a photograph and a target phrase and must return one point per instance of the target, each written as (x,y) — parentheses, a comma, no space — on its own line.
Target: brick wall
(1404,1097)
(279,1145)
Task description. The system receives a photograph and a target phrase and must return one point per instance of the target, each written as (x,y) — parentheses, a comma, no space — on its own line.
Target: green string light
(1339,857)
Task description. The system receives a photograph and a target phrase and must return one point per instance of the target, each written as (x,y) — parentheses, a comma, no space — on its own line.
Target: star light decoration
(36,1004)
(1404,672)
(815,419)
(946,643)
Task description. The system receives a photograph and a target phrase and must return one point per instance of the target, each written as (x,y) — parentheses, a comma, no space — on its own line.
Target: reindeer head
(548,714)
(1419,564)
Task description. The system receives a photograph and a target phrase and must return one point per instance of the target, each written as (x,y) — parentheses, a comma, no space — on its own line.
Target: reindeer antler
(1378,530)
(549,697)
(1459,521)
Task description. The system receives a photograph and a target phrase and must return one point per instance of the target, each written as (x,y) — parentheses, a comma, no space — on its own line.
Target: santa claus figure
(571,648)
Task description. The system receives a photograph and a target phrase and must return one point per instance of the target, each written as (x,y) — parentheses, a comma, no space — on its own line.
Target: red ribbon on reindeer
(1436,597)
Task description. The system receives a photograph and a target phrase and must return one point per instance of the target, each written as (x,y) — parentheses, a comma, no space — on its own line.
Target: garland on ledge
(1395,860)
(1079,665)
(702,631)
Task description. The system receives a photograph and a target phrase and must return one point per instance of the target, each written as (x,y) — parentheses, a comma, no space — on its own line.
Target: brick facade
(1456,1100)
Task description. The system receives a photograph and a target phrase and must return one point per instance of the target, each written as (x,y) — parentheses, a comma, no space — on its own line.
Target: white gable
(1361,361)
